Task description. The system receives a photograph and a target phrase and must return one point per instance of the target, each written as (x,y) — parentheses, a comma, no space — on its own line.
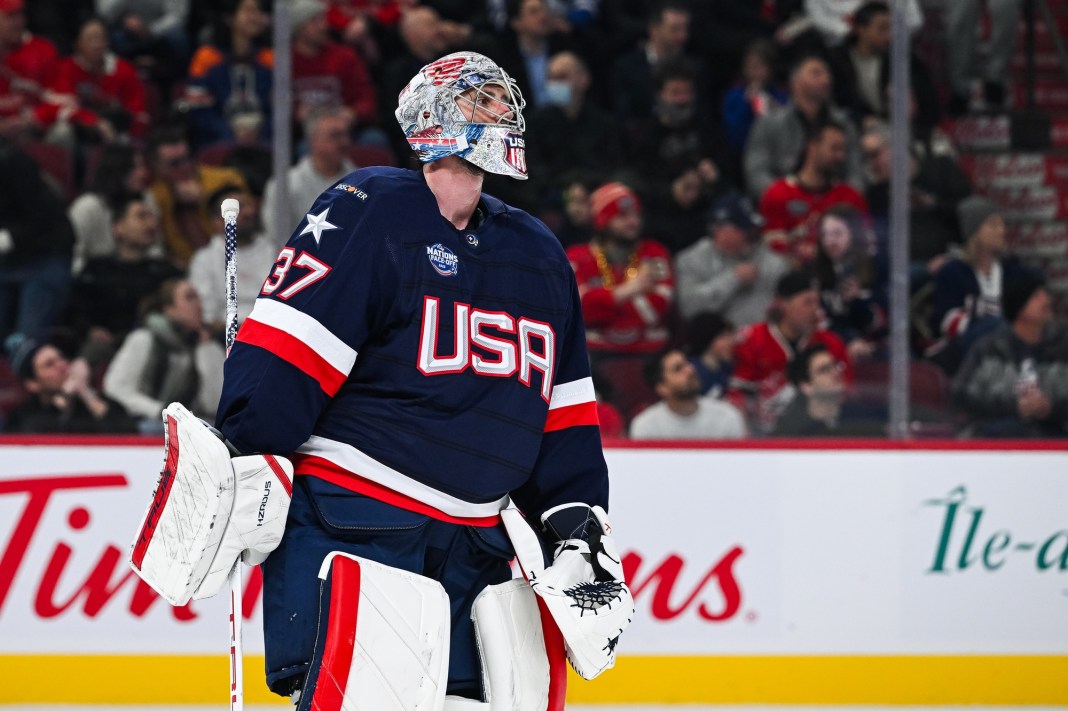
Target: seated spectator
(359,24)
(109,290)
(792,206)
(967,291)
(180,189)
(678,216)
(569,132)
(169,359)
(633,83)
(861,68)
(1012,382)
(759,386)
(151,34)
(937,185)
(677,135)
(527,46)
(424,37)
(778,138)
(731,271)
(327,74)
(29,64)
(625,282)
(683,413)
(121,171)
(36,240)
(576,222)
(753,95)
(820,407)
(257,253)
(60,396)
(325,164)
(230,78)
(95,96)
(850,292)
(711,340)
(834,19)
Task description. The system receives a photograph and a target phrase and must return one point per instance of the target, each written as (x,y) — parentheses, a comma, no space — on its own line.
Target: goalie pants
(323,518)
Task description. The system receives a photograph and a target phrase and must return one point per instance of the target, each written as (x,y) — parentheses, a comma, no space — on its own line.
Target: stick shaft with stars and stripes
(230,210)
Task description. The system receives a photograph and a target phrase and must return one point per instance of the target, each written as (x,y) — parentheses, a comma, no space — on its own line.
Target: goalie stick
(230,209)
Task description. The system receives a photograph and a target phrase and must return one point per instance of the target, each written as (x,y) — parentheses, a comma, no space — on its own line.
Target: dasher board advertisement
(846,575)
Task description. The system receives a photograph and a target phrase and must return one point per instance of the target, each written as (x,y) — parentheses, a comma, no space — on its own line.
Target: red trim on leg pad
(340,635)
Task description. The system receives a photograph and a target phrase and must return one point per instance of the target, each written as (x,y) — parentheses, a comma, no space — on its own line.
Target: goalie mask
(435,106)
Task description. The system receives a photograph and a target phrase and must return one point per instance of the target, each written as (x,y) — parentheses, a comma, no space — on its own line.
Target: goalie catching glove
(209,509)
(583,589)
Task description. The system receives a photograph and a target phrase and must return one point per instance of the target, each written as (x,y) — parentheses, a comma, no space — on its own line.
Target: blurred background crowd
(718,172)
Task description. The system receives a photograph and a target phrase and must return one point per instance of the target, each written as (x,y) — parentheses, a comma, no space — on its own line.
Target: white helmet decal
(429,113)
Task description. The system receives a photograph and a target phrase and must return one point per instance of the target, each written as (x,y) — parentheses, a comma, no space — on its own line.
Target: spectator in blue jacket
(229,86)
(968,290)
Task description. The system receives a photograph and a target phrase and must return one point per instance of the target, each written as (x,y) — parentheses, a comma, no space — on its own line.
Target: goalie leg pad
(383,642)
(523,666)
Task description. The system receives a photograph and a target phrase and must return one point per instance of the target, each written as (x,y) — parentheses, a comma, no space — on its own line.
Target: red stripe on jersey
(293,351)
(280,473)
(340,635)
(584,413)
(306,465)
(163,492)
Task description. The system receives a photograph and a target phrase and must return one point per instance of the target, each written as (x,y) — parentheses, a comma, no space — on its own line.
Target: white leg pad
(385,642)
(511,643)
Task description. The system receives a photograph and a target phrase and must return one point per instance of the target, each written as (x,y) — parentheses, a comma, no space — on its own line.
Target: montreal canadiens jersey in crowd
(435,368)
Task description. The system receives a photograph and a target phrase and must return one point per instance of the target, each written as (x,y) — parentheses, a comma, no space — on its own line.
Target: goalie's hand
(584,587)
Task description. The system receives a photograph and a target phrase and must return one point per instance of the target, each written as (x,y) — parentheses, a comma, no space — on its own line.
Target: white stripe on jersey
(576,392)
(307,330)
(351,459)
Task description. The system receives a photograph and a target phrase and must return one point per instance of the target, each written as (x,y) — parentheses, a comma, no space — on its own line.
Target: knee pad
(382,642)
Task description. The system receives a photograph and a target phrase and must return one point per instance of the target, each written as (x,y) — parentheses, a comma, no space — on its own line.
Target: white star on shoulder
(317,224)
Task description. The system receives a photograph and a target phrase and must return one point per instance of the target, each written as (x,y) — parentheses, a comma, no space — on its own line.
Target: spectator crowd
(718,174)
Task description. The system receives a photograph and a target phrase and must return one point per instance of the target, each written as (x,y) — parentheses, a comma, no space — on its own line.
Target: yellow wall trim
(926,680)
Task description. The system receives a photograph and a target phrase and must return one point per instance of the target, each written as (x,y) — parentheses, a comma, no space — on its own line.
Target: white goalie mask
(434,107)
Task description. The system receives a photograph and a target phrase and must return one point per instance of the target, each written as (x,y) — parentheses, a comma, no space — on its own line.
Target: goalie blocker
(208,510)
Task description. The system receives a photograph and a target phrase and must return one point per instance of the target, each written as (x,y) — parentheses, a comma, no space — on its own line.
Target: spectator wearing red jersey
(356,22)
(95,92)
(626,283)
(792,206)
(759,386)
(326,73)
(27,65)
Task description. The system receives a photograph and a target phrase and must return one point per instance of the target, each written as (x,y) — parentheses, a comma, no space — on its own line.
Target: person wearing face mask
(569,133)
(678,134)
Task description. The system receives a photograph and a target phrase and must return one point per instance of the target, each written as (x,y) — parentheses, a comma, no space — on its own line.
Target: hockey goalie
(410,400)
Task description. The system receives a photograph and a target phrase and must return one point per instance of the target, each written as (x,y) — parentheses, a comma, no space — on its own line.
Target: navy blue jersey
(435,368)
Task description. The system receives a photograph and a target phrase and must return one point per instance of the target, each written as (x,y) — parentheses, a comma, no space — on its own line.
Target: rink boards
(851,574)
